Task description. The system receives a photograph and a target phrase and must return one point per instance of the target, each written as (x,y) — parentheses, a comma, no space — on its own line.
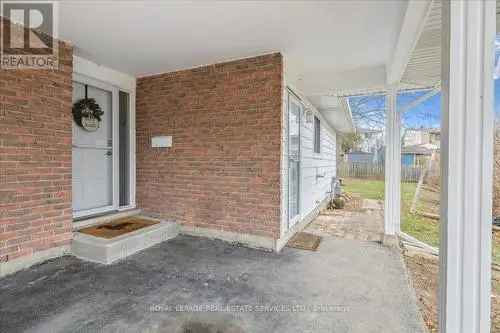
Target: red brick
(35,150)
(223,170)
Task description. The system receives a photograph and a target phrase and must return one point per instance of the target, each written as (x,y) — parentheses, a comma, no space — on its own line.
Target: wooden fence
(409,174)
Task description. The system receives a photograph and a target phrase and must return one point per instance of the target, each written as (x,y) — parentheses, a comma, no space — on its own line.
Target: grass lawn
(367,189)
(424,229)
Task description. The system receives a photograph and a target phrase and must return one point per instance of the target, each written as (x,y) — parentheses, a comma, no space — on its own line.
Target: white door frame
(293,221)
(132,150)
(82,79)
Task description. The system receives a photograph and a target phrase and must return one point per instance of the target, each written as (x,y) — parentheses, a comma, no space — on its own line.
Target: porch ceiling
(324,42)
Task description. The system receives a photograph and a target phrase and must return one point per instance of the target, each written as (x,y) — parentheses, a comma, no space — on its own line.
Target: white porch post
(392,211)
(467,163)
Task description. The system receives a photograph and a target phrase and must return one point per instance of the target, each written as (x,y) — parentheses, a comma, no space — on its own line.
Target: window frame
(317,135)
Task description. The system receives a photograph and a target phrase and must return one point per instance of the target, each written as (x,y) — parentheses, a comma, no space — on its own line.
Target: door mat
(118,227)
(304,241)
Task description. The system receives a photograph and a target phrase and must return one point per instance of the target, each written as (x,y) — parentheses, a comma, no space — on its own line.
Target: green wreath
(86,107)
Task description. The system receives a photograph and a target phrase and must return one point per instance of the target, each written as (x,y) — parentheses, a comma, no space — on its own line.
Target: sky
(428,113)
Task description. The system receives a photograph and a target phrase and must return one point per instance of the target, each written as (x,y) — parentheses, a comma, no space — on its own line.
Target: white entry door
(95,154)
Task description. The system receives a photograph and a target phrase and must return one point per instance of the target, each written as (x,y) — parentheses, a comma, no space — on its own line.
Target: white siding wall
(313,190)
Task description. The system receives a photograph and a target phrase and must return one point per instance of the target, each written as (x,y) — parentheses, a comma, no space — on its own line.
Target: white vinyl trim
(466,166)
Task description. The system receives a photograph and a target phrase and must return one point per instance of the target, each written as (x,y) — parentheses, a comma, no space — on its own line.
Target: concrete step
(107,251)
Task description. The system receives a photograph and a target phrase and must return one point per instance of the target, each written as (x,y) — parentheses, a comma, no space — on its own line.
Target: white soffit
(320,38)
(336,112)
(424,67)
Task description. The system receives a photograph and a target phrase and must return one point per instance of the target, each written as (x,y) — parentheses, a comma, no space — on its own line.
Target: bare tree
(369,112)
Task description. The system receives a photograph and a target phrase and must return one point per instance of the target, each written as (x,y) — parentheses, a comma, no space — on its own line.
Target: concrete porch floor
(346,286)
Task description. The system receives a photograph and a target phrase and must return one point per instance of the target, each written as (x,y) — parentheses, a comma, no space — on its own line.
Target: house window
(317,135)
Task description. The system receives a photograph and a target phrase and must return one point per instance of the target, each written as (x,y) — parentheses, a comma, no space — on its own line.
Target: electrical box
(161,141)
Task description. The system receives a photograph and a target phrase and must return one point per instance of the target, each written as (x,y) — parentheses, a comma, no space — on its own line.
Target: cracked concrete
(346,286)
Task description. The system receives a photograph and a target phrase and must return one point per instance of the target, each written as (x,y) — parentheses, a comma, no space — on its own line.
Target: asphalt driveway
(191,284)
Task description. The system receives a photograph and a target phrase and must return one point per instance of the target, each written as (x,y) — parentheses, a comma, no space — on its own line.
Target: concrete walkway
(347,286)
(364,222)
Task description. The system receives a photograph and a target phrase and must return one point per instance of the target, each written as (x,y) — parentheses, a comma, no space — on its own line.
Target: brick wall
(223,171)
(35,159)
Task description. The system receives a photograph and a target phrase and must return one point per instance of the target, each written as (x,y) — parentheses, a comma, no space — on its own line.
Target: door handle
(109,153)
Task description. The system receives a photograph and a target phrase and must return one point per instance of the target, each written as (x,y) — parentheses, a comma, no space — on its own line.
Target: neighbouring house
(369,150)
(435,136)
(372,141)
(420,136)
(230,150)
(416,155)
